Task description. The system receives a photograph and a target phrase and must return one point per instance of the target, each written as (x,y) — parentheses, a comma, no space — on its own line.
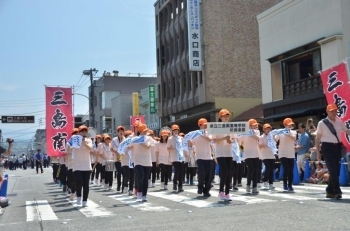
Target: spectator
(7,152)
(302,147)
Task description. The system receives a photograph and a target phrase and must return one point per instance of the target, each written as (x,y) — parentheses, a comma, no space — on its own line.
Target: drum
(110,166)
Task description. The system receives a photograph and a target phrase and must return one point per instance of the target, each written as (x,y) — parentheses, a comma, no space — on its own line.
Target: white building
(298,38)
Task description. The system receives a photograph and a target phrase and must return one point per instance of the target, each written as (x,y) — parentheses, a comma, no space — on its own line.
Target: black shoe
(175,187)
(200,191)
(230,186)
(118,188)
(180,189)
(338,196)
(206,194)
(64,188)
(330,195)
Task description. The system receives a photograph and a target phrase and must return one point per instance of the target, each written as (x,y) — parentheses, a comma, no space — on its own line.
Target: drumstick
(96,162)
(58,171)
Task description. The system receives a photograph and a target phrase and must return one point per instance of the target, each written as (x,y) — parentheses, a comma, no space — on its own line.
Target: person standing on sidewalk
(82,166)
(331,148)
(38,160)
(302,147)
(224,158)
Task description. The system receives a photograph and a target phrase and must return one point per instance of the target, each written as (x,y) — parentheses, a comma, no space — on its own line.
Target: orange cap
(175,127)
(332,107)
(142,127)
(75,130)
(164,133)
(120,127)
(127,133)
(107,137)
(83,127)
(182,134)
(224,112)
(202,121)
(288,121)
(98,136)
(150,132)
(267,126)
(252,122)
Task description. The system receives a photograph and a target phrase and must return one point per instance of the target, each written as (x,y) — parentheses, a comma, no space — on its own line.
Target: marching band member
(108,157)
(118,165)
(71,178)
(268,157)
(163,160)
(204,159)
(98,165)
(175,149)
(142,161)
(224,158)
(252,153)
(128,168)
(63,173)
(82,166)
(192,163)
(93,166)
(153,172)
(286,153)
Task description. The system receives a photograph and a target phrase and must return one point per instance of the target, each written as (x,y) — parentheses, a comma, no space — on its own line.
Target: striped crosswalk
(166,200)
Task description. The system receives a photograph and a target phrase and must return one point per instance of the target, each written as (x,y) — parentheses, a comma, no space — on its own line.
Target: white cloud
(7,87)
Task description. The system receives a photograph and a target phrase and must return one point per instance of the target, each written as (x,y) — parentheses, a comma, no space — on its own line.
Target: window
(158,57)
(164,91)
(184,80)
(174,87)
(157,22)
(177,45)
(200,77)
(163,55)
(167,53)
(196,79)
(183,40)
(301,66)
(178,85)
(182,4)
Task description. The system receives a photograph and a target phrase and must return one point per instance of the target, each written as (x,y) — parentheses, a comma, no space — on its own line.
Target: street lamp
(91,73)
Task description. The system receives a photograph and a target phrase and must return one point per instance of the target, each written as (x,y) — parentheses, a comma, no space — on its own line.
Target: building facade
(230,75)
(299,38)
(151,116)
(107,88)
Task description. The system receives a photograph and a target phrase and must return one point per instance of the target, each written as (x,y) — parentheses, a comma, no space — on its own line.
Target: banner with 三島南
(59,119)
(337,90)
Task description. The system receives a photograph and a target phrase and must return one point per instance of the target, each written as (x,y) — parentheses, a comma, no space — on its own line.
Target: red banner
(133,120)
(335,85)
(59,119)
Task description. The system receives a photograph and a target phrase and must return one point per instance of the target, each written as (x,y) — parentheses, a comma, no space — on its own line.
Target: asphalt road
(38,204)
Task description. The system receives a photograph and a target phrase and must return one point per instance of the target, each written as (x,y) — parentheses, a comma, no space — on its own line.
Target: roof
(253,113)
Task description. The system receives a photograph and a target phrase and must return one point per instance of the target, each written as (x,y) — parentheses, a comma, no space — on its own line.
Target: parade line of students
(137,158)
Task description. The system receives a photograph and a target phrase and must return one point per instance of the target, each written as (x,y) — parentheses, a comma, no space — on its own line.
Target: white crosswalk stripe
(144,206)
(92,210)
(39,210)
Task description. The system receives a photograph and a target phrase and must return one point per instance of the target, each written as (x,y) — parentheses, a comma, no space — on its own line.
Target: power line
(2,101)
(21,129)
(28,113)
(79,79)
(23,105)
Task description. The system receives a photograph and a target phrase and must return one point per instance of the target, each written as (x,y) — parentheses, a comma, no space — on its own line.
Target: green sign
(152,99)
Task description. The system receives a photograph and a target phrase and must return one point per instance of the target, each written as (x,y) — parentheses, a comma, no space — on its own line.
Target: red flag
(133,120)
(59,119)
(336,87)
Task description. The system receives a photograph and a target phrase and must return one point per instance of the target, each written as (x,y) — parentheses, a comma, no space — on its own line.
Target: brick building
(230,75)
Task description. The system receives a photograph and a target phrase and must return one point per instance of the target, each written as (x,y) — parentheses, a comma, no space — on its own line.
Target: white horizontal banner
(240,128)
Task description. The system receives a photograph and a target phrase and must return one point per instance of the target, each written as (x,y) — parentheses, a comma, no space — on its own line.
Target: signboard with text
(239,128)
(152,99)
(135,103)
(194,35)
(17,119)
(59,119)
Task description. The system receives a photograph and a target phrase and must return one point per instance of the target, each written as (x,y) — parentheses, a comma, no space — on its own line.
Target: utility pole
(91,73)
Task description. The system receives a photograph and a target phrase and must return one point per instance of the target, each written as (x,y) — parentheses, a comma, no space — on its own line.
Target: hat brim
(291,123)
(254,124)
(333,109)
(203,124)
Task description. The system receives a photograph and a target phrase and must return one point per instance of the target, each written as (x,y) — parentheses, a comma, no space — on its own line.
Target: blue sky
(51,42)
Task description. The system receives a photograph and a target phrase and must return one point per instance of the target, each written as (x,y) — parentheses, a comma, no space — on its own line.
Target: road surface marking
(40,208)
(143,206)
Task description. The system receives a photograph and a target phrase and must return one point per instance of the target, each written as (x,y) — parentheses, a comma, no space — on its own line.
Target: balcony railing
(302,87)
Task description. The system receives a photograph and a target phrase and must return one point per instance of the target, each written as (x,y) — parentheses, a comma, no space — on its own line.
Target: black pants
(103,171)
(25,164)
(158,172)
(118,166)
(108,177)
(234,172)
(39,165)
(165,171)
(142,178)
(179,173)
(54,171)
(269,170)
(225,164)
(92,172)
(253,171)
(288,166)
(260,170)
(153,173)
(71,181)
(63,174)
(332,154)
(213,167)
(82,183)
(98,170)
(128,177)
(204,174)
(186,173)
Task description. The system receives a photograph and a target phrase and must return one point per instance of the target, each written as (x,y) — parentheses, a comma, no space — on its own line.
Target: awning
(291,113)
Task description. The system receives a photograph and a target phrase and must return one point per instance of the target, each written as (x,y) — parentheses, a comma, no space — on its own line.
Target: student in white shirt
(118,165)
(128,168)
(268,157)
(163,161)
(108,159)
